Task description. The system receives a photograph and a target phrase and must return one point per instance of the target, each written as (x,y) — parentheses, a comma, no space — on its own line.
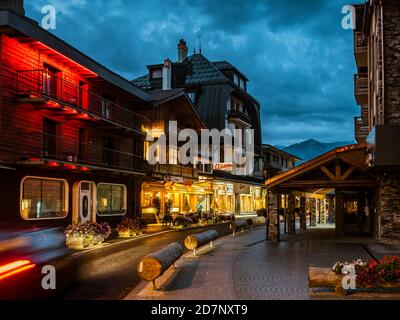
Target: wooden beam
(347,173)
(328,173)
(338,171)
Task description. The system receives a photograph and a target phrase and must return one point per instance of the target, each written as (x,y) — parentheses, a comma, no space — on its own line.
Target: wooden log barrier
(258,221)
(325,278)
(238,224)
(194,241)
(155,264)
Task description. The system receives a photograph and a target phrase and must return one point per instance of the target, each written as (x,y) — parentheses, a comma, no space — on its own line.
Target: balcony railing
(174,170)
(360,129)
(41,85)
(360,49)
(361,88)
(236,114)
(59,151)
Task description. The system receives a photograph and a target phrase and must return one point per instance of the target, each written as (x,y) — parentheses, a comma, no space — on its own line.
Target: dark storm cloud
(299,60)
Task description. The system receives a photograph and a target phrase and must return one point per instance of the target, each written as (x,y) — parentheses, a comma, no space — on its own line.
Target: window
(50,143)
(192,96)
(108,151)
(242,84)
(43,198)
(157,73)
(111,199)
(236,79)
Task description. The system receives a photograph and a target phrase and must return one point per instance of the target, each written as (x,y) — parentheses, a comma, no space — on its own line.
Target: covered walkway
(334,188)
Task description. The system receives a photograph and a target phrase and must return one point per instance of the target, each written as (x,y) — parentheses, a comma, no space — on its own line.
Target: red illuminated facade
(71,135)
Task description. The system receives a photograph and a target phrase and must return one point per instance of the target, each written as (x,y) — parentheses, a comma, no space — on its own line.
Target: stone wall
(391,26)
(389,206)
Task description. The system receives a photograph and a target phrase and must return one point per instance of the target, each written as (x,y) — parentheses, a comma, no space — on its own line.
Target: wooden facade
(69,124)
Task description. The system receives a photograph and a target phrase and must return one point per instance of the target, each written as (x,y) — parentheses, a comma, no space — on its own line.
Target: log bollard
(194,241)
(258,221)
(238,224)
(155,264)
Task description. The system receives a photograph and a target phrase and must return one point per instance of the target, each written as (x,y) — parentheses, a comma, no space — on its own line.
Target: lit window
(43,198)
(111,199)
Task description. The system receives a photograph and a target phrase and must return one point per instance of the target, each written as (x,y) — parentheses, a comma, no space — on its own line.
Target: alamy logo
(49,280)
(349,20)
(238,147)
(349,280)
(49,21)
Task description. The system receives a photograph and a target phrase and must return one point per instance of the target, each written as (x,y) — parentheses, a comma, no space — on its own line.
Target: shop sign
(242,188)
(174,179)
(223,166)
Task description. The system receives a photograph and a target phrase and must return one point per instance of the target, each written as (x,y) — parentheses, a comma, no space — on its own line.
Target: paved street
(246,267)
(110,272)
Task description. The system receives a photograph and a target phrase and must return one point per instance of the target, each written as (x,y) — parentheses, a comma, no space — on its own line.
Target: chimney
(14,5)
(167,75)
(182,50)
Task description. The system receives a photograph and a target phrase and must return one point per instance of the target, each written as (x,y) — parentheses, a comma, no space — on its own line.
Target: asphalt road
(110,272)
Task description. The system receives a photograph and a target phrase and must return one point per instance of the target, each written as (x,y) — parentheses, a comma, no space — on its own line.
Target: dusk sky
(299,60)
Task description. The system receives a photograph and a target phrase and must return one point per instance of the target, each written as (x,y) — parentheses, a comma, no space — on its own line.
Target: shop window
(111,199)
(43,198)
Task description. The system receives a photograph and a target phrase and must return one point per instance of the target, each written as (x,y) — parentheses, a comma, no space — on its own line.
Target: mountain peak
(312,148)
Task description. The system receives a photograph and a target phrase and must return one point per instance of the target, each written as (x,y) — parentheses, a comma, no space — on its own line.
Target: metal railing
(239,115)
(360,43)
(360,128)
(45,84)
(361,84)
(49,147)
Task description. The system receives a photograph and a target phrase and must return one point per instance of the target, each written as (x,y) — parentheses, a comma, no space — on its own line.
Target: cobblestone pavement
(246,267)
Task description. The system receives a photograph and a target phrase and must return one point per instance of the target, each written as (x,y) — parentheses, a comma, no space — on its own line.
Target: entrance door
(84,202)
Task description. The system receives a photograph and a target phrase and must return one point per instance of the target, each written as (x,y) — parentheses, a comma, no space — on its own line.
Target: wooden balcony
(361,88)
(42,149)
(360,49)
(239,116)
(51,92)
(361,129)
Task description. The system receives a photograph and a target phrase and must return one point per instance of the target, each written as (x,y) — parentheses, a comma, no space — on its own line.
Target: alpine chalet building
(218,91)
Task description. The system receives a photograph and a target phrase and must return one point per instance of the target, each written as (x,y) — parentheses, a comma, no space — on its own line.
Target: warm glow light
(53,164)
(15,267)
(77,64)
(70,166)
(85,169)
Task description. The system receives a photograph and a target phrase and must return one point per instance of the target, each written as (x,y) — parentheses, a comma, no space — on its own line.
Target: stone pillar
(389,207)
(291,214)
(331,210)
(273,217)
(313,212)
(323,211)
(339,218)
(303,214)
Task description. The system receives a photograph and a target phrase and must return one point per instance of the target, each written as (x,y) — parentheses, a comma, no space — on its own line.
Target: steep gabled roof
(225,65)
(203,71)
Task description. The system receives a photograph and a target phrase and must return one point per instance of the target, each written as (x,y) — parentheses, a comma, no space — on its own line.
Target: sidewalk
(248,268)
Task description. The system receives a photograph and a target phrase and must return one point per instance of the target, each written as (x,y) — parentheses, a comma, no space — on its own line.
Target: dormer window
(242,84)
(156,73)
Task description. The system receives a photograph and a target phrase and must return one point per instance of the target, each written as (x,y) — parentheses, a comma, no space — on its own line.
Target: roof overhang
(316,176)
(11,22)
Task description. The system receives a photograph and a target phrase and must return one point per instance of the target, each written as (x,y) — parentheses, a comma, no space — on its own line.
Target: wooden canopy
(342,167)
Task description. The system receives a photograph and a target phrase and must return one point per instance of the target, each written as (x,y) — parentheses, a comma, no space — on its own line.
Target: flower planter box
(124,234)
(75,243)
(326,278)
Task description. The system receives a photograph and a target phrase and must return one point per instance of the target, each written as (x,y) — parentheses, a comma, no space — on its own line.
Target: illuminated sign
(223,166)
